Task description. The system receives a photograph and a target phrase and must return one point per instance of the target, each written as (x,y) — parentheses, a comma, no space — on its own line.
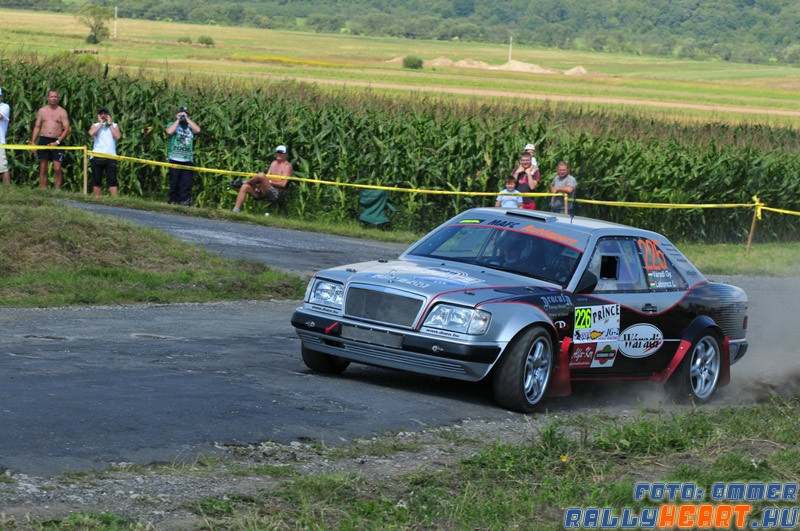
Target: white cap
(280,149)
(530,146)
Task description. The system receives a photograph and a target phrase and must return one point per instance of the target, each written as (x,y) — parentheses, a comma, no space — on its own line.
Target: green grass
(763,259)
(60,256)
(517,481)
(153,46)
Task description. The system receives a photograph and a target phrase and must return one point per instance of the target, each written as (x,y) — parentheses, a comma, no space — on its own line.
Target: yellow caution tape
(759,206)
(37,147)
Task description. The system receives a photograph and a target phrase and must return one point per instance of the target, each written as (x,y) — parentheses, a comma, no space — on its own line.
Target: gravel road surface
(82,388)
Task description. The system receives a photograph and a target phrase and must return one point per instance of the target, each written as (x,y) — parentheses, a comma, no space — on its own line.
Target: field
(665,87)
(526,471)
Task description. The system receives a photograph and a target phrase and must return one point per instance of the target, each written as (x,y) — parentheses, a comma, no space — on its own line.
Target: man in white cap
(530,149)
(268,185)
(5,118)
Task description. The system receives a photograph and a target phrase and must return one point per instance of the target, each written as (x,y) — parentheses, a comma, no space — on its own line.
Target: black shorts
(100,166)
(55,155)
(272,194)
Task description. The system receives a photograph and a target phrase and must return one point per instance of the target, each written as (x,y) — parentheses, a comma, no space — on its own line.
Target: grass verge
(54,255)
(525,476)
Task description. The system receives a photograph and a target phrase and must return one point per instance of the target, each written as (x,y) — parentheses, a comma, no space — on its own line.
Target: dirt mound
(519,66)
(439,61)
(396,60)
(576,71)
(471,63)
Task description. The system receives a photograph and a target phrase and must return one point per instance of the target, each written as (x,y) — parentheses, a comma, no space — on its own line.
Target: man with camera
(181,151)
(106,133)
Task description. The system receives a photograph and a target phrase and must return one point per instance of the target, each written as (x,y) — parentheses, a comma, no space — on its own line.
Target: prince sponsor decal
(596,323)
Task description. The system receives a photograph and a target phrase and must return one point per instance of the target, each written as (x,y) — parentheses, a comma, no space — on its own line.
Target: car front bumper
(394,348)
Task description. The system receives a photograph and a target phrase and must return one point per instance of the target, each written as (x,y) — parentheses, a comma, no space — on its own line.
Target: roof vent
(534,214)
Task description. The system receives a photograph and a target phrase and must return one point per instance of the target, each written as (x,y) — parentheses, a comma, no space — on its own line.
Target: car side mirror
(587,283)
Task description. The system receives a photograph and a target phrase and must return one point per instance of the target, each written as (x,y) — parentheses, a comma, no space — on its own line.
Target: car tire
(698,374)
(319,361)
(521,377)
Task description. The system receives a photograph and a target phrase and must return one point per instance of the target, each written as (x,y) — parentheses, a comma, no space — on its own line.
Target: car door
(633,324)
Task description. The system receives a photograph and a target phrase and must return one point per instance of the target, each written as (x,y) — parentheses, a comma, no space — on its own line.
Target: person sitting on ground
(510,197)
(266,185)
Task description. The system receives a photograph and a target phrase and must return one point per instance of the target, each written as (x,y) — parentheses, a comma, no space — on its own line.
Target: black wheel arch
(691,334)
(547,325)
(700,324)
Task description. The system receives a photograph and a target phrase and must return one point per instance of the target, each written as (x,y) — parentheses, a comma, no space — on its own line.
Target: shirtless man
(265,186)
(50,129)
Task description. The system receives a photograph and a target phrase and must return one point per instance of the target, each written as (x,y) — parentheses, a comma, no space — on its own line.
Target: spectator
(5,119)
(50,129)
(510,197)
(181,151)
(527,179)
(266,186)
(563,183)
(530,149)
(106,133)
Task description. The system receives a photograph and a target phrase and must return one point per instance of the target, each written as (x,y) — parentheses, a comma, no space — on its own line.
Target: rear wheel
(522,375)
(319,361)
(698,374)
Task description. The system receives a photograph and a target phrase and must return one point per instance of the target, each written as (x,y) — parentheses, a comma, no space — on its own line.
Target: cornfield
(415,142)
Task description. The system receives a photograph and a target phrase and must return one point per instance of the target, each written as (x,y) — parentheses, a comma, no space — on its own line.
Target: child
(510,197)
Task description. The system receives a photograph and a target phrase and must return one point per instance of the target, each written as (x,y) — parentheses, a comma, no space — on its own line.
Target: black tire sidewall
(508,376)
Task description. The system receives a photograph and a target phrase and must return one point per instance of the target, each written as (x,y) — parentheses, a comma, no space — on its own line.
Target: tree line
(753,31)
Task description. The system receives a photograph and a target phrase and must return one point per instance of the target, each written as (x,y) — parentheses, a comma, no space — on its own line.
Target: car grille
(382,306)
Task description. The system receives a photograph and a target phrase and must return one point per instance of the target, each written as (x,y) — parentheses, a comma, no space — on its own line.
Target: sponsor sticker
(596,323)
(582,356)
(640,340)
(592,355)
(604,356)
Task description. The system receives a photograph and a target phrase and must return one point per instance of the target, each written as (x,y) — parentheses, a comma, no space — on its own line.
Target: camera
(183,119)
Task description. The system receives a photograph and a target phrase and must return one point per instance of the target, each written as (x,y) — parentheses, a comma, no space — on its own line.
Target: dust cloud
(771,366)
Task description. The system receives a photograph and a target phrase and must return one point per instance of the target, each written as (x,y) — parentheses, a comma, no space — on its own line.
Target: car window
(662,275)
(504,249)
(617,264)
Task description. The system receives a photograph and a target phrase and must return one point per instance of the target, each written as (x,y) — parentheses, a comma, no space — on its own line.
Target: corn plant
(422,143)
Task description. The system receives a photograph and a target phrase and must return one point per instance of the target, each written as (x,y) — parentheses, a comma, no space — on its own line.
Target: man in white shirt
(105,133)
(5,118)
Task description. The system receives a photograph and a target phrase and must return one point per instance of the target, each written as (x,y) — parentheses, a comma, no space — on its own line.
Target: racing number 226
(654,259)
(583,318)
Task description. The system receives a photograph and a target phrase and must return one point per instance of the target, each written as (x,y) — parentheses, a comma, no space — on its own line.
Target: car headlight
(458,319)
(326,293)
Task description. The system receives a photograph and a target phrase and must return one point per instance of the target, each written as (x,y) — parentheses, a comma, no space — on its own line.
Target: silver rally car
(534,301)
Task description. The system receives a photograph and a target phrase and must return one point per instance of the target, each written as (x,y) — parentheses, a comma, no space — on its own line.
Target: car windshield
(503,249)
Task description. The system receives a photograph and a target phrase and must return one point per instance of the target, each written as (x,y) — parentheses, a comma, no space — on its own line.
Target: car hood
(430,278)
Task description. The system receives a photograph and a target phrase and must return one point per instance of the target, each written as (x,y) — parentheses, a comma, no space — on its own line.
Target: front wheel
(522,375)
(698,374)
(319,361)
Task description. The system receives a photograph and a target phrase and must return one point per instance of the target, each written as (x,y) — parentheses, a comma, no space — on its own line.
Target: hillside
(753,31)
